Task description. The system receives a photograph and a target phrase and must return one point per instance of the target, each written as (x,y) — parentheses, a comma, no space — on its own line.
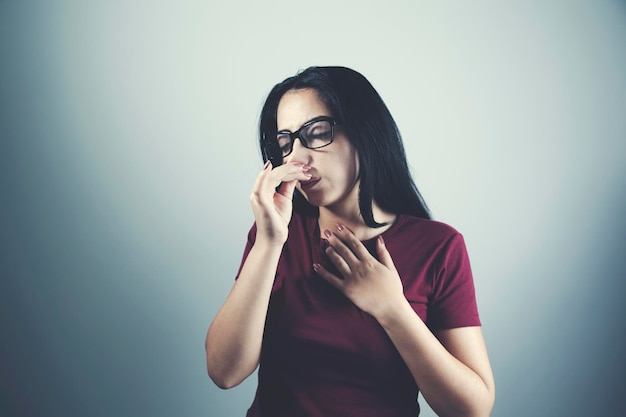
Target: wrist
(394,313)
(270,242)
(269,246)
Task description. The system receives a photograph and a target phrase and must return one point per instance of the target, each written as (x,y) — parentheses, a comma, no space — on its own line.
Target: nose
(299,153)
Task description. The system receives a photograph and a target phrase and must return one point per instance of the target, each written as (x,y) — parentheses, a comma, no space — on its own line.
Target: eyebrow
(315,119)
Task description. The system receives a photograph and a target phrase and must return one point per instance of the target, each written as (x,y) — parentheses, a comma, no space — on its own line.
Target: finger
(338,261)
(350,241)
(287,188)
(260,194)
(331,278)
(268,179)
(290,172)
(341,248)
(383,254)
(259,178)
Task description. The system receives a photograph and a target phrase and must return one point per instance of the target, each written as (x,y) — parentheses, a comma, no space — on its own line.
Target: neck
(351,217)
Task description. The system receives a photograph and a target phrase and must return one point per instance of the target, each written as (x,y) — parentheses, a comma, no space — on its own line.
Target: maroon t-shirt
(323,356)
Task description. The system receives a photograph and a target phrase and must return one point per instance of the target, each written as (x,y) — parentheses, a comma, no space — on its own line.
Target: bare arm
(451,368)
(452,371)
(233,342)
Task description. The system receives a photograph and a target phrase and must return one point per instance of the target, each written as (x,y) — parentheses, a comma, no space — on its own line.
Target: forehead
(296,107)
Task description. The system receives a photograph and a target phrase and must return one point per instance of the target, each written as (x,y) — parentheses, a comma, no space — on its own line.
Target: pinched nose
(299,154)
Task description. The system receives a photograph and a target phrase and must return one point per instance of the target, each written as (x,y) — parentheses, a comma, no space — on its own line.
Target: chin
(312,199)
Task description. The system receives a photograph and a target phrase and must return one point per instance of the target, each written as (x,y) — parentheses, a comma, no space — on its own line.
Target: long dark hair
(369,126)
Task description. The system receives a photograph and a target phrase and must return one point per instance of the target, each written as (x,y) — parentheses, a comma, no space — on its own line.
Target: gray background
(128,151)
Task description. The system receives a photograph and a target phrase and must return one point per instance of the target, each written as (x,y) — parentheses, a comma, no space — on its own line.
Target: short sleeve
(453,300)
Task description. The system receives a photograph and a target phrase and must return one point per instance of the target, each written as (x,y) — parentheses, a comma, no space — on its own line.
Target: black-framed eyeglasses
(314,134)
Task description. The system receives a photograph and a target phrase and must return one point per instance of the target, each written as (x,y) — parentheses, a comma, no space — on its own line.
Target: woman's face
(334,168)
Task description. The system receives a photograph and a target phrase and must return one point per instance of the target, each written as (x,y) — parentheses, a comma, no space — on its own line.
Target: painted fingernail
(267,164)
(316,267)
(327,233)
(306,167)
(340,227)
(381,240)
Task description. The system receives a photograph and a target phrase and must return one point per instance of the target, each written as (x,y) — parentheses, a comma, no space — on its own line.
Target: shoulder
(430,243)
(432,261)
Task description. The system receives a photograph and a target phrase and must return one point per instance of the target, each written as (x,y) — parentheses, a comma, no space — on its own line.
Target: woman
(349,297)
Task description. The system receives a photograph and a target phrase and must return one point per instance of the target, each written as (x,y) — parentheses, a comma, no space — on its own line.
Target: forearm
(450,387)
(233,343)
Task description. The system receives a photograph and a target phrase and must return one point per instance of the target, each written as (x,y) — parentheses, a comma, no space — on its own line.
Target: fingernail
(306,167)
(327,233)
(316,267)
(340,227)
(381,240)
(267,164)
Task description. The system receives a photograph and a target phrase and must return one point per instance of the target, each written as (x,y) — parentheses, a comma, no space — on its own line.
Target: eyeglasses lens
(315,135)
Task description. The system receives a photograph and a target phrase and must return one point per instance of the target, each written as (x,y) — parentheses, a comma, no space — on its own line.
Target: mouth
(306,185)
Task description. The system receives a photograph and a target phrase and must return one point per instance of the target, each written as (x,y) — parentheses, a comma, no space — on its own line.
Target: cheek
(347,155)
(347,170)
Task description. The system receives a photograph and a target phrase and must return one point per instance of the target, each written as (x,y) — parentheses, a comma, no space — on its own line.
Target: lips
(305,185)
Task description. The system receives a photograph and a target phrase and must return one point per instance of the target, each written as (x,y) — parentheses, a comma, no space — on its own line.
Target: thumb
(383,254)
(286,189)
